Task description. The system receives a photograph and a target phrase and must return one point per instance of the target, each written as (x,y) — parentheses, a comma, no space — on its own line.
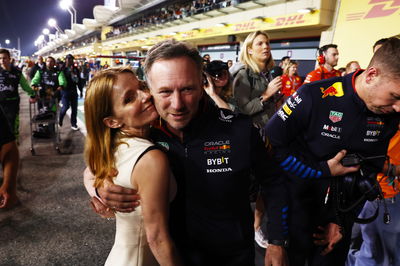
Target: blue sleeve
(287,132)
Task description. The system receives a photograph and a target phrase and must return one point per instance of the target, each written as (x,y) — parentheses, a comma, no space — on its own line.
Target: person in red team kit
(328,56)
(290,79)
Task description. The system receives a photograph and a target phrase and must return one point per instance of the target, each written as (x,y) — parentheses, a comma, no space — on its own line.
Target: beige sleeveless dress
(131,246)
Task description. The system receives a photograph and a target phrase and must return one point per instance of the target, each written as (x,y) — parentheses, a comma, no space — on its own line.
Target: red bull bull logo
(335,90)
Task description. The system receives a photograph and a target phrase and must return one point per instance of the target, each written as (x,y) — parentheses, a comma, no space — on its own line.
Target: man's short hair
(325,48)
(284,58)
(379,42)
(388,58)
(5,51)
(170,49)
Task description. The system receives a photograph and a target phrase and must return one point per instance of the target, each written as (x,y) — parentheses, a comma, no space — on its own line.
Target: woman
(254,89)
(218,85)
(291,81)
(118,114)
(256,94)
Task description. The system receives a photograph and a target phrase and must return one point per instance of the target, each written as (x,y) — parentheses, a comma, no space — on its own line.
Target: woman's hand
(209,87)
(273,87)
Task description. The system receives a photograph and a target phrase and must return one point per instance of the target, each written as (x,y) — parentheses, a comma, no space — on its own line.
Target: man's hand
(276,256)
(101,209)
(329,236)
(337,169)
(119,198)
(7,200)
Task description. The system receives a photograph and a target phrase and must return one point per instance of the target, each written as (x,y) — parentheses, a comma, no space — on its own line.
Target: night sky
(27,18)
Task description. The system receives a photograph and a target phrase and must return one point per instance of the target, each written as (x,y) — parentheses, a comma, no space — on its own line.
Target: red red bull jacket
(322,118)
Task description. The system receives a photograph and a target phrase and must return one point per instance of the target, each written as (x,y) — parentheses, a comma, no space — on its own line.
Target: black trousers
(307,212)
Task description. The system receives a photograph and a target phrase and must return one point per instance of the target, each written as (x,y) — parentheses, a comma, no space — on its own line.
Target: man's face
(383,94)
(5,61)
(40,60)
(50,63)
(176,88)
(332,56)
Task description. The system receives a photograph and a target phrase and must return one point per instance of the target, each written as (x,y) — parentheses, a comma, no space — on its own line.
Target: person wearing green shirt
(51,81)
(10,78)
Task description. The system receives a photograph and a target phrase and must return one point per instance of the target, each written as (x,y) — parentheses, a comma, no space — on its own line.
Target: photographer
(217,84)
(312,132)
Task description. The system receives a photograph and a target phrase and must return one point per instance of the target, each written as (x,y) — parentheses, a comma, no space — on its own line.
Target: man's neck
(7,68)
(176,132)
(358,87)
(328,67)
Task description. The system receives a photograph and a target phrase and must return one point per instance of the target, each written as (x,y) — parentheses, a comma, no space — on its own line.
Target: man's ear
(372,72)
(111,122)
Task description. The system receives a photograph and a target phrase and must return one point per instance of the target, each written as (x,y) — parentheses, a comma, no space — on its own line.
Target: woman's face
(221,79)
(133,108)
(260,49)
(292,70)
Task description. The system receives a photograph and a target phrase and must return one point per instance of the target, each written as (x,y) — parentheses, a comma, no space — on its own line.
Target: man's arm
(9,158)
(36,79)
(62,81)
(287,129)
(26,87)
(112,196)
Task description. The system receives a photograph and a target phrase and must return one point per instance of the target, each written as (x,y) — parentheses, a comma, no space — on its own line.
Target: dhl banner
(360,23)
(269,24)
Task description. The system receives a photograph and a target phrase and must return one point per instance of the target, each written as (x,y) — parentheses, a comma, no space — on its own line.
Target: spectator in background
(253,87)
(342,71)
(69,94)
(328,56)
(206,59)
(218,85)
(352,66)
(230,63)
(254,92)
(39,65)
(140,71)
(284,62)
(290,79)
(9,159)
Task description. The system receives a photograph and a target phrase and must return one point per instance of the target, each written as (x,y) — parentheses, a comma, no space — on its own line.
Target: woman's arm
(210,90)
(151,176)
(242,93)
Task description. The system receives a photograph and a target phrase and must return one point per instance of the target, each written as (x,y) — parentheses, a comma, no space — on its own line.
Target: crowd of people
(188,145)
(170,13)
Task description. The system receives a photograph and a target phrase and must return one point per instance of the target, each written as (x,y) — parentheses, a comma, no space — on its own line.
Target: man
(379,238)
(328,57)
(10,78)
(212,152)
(9,160)
(284,62)
(51,81)
(39,65)
(69,94)
(312,132)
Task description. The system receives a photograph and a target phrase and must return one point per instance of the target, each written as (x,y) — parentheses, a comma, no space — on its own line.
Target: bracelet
(97,193)
(283,243)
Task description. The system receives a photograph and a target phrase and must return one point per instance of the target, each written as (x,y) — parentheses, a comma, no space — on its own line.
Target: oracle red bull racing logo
(335,90)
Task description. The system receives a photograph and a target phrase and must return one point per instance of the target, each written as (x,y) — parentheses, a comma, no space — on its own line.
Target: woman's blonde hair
(247,59)
(101,140)
(288,65)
